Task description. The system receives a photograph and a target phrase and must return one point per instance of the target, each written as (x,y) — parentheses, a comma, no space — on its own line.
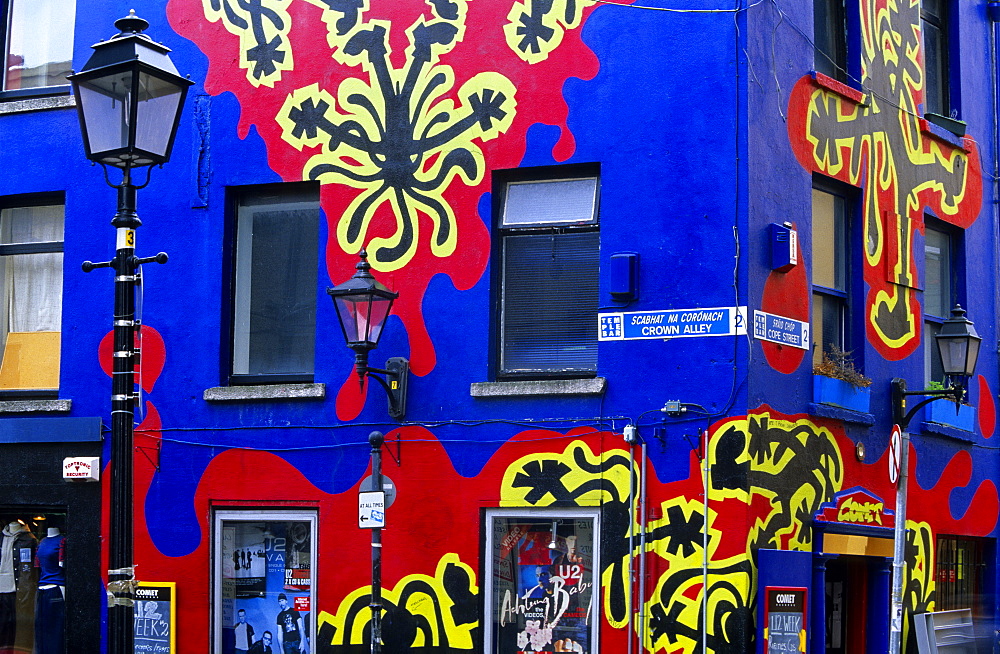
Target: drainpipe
(630,437)
(643,508)
(993,13)
(704,545)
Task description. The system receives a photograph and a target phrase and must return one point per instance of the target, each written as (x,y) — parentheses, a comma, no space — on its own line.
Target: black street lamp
(129,98)
(958,344)
(363,304)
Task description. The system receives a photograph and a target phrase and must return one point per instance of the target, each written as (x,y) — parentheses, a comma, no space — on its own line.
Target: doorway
(846,604)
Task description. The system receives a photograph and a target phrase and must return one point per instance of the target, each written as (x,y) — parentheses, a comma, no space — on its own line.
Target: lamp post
(362,305)
(375,439)
(958,344)
(129,98)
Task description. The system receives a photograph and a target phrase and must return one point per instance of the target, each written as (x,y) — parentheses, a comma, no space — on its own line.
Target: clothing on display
(18,586)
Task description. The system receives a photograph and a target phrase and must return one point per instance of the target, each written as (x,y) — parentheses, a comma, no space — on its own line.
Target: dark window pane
(549,303)
(276,282)
(827,325)
(960,575)
(830,38)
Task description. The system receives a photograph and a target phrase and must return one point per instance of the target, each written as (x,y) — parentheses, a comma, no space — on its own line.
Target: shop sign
(82,468)
(858,508)
(785,620)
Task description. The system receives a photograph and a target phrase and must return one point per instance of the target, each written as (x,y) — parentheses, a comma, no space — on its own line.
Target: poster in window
(543,585)
(266,585)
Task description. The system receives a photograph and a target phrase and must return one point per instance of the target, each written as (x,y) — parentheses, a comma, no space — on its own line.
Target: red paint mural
(877,140)
(399,109)
(769,474)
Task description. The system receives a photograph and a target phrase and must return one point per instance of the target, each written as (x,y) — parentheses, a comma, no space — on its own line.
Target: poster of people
(543,585)
(266,586)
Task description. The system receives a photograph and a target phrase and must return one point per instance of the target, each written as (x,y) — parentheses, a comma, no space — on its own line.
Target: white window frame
(219,516)
(536,513)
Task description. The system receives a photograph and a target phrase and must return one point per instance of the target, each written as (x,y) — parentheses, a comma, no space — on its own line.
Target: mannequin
(17,586)
(50,604)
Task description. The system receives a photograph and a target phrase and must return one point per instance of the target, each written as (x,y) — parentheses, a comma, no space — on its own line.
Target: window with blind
(548,249)
(31,269)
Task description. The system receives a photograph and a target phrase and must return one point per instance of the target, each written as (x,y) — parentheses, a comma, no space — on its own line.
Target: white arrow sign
(371,510)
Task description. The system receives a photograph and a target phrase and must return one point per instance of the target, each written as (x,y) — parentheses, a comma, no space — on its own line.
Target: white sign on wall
(371,510)
(82,468)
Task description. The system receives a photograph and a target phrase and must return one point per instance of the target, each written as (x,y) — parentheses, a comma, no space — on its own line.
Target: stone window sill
(265,392)
(35,406)
(541,387)
(37,104)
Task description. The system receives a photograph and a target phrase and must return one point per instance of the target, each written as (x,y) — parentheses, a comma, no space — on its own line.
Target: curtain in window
(33,282)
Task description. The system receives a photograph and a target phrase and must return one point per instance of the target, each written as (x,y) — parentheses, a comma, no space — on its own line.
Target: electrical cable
(680,11)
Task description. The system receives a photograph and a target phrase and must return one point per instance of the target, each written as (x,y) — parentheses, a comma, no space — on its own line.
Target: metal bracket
(902,417)
(398,458)
(397,372)
(158,448)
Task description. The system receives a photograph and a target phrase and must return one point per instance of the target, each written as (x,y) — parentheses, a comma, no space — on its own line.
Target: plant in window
(838,364)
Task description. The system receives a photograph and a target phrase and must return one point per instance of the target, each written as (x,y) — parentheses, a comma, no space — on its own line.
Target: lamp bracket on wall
(397,373)
(902,417)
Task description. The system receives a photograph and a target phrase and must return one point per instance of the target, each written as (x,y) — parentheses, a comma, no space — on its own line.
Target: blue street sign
(673,323)
(779,329)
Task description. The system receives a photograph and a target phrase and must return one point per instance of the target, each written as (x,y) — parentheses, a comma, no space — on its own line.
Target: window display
(541,588)
(265,564)
(32,581)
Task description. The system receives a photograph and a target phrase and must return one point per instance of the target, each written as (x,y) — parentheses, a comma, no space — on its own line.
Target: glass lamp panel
(104,103)
(350,317)
(954,354)
(156,112)
(972,356)
(378,311)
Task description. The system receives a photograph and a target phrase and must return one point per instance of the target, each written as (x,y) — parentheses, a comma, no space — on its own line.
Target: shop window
(275,284)
(264,572)
(830,274)
(961,570)
(38,40)
(542,591)
(934,26)
(939,295)
(31,264)
(830,38)
(548,249)
(32,581)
